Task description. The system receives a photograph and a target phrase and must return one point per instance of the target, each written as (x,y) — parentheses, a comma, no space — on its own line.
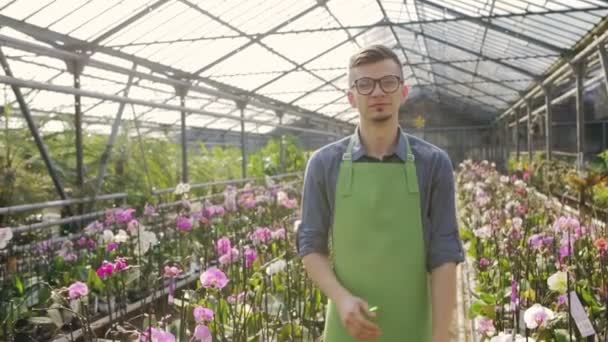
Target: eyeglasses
(366,85)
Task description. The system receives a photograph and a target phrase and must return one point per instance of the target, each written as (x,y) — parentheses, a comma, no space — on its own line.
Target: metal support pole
(105,157)
(34,130)
(281,144)
(548,123)
(604,136)
(241,106)
(579,72)
(601,49)
(181,92)
(75,67)
(529,130)
(517,146)
(505,143)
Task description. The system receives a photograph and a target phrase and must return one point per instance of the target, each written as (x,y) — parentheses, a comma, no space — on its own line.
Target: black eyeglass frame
(377,81)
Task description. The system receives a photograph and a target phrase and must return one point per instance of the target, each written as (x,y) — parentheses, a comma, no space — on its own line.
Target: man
(385,202)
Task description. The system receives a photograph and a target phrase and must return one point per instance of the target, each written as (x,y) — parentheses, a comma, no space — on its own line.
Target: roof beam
(474,53)
(129,21)
(256,39)
(362,27)
(173,75)
(396,37)
(311,59)
(120,99)
(498,28)
(485,78)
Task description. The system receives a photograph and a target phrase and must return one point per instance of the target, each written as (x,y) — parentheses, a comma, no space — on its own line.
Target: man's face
(379,105)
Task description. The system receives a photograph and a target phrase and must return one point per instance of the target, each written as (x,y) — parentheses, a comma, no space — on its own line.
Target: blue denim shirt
(437,197)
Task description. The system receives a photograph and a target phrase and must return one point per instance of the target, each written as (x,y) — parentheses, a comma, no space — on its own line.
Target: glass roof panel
(256,16)
(91,18)
(355,12)
(289,45)
(294,82)
(319,97)
(23,9)
(215,36)
(243,63)
(400,11)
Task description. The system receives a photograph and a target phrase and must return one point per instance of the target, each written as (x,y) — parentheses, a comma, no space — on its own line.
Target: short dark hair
(372,54)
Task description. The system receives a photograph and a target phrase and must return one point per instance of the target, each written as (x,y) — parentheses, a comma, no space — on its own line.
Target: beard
(380,117)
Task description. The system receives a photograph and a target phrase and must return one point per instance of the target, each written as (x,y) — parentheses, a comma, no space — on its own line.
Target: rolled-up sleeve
(445,243)
(313,230)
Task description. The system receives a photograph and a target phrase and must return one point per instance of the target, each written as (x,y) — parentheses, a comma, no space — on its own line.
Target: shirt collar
(400,149)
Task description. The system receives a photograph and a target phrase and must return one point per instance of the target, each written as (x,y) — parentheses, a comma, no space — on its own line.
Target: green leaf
(488,298)
(41,320)
(95,282)
(18,285)
(561,335)
(466,234)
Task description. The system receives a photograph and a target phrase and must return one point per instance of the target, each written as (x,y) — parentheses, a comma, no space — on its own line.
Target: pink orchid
(250,256)
(261,235)
(124,216)
(202,315)
(184,224)
(172,271)
(105,270)
(78,290)
(162,336)
(120,264)
(279,234)
(202,334)
(223,246)
(213,277)
(230,257)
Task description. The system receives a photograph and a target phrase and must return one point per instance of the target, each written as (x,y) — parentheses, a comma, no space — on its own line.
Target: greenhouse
(162,164)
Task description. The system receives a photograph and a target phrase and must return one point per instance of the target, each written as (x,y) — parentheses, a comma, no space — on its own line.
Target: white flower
(483,233)
(511,204)
(108,236)
(538,316)
(519,183)
(6,235)
(121,237)
(558,282)
(276,267)
(146,240)
(517,222)
(502,337)
(281,196)
(182,188)
(504,179)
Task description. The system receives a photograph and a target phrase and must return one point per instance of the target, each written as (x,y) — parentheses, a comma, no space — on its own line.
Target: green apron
(378,248)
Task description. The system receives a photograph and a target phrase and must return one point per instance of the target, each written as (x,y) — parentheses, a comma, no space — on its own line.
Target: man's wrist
(441,335)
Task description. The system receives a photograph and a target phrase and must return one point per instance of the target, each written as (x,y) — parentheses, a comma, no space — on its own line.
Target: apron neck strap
(409,166)
(347,157)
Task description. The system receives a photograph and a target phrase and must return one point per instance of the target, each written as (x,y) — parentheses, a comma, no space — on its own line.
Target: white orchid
(6,235)
(146,240)
(121,237)
(182,188)
(538,316)
(276,267)
(558,282)
(483,233)
(107,236)
(281,196)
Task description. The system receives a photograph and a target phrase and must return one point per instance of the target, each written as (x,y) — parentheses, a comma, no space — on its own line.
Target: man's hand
(355,316)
